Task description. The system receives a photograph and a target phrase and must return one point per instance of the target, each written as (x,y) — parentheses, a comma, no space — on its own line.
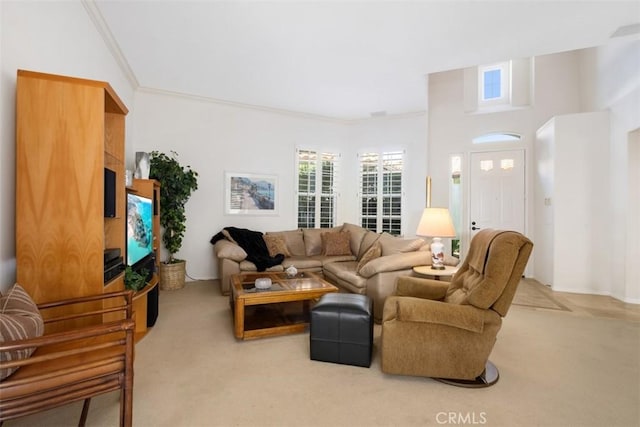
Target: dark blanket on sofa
(253,244)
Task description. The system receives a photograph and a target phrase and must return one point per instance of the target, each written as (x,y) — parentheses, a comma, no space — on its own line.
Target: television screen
(139,228)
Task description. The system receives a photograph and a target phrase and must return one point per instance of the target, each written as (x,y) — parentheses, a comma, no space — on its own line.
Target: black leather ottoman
(341,329)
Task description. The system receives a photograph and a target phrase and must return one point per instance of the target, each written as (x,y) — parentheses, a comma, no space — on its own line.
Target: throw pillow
(19,319)
(372,253)
(276,245)
(313,239)
(336,243)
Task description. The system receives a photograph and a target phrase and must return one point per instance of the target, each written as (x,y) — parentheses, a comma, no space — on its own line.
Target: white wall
(543,198)
(451,129)
(598,79)
(573,175)
(51,37)
(213,138)
(617,79)
(408,133)
(631,291)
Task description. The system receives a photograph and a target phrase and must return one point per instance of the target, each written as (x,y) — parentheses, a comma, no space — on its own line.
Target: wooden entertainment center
(70,135)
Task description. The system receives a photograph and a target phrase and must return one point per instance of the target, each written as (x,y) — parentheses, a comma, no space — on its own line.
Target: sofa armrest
(401,261)
(226,249)
(421,288)
(417,310)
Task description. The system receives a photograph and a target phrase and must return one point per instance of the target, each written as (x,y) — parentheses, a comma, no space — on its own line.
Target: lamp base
(437,254)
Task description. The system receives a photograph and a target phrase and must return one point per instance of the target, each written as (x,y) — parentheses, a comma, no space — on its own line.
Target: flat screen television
(139,228)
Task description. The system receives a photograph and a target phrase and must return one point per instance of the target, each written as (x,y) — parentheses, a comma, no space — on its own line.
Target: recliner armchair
(446,330)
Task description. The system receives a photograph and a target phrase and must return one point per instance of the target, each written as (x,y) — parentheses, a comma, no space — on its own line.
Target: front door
(497,190)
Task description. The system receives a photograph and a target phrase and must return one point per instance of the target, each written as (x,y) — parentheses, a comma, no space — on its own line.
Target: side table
(426,270)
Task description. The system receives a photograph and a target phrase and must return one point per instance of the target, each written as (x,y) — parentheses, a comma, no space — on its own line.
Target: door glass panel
(455,201)
(486,165)
(506,164)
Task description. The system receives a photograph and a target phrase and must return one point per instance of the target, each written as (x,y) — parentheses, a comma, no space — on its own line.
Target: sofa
(353,258)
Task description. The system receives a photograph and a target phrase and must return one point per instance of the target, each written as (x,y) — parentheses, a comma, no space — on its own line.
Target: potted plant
(134,280)
(177,182)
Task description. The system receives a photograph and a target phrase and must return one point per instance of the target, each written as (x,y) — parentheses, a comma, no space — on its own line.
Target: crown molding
(103,29)
(98,20)
(254,107)
(291,113)
(387,117)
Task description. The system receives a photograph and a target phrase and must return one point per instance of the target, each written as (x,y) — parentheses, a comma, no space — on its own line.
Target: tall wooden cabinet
(68,130)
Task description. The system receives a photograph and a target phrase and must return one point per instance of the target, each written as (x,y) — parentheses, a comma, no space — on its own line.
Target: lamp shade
(436,222)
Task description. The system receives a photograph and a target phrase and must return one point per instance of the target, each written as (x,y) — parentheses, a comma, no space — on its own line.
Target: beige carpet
(557,368)
(531,293)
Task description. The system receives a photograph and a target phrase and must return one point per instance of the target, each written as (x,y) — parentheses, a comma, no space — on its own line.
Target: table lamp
(436,223)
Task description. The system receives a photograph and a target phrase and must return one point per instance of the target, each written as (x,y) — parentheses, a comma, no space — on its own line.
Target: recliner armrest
(409,309)
(421,288)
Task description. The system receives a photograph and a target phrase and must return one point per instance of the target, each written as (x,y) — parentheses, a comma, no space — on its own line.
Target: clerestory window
(493,81)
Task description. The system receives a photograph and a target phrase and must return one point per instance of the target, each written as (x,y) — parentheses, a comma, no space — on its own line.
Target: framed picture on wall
(250,194)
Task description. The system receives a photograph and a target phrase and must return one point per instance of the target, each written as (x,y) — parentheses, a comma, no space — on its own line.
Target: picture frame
(250,194)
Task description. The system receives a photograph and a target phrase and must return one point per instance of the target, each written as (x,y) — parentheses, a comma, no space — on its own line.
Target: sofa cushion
(276,245)
(337,258)
(346,271)
(394,245)
(357,234)
(369,239)
(19,319)
(336,243)
(302,263)
(313,239)
(294,239)
(373,252)
(249,266)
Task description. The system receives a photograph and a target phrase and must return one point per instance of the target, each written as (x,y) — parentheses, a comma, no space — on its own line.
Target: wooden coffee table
(282,309)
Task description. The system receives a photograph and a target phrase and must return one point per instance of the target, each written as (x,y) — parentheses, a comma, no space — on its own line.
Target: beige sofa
(357,270)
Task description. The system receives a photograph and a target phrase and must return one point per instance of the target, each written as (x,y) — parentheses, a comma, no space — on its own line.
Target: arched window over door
(494,137)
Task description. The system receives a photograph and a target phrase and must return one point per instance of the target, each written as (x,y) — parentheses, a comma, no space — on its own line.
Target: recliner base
(487,378)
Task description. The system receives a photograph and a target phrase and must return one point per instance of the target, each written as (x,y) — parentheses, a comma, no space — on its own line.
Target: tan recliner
(446,330)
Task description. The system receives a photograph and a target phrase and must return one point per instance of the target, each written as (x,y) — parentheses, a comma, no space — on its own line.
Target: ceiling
(339,59)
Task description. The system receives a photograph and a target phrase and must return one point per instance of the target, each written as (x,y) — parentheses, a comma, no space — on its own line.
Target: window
(381,195)
(317,195)
(494,82)
(496,137)
(491,84)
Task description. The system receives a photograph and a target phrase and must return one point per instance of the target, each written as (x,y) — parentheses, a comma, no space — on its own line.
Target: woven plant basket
(172,275)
